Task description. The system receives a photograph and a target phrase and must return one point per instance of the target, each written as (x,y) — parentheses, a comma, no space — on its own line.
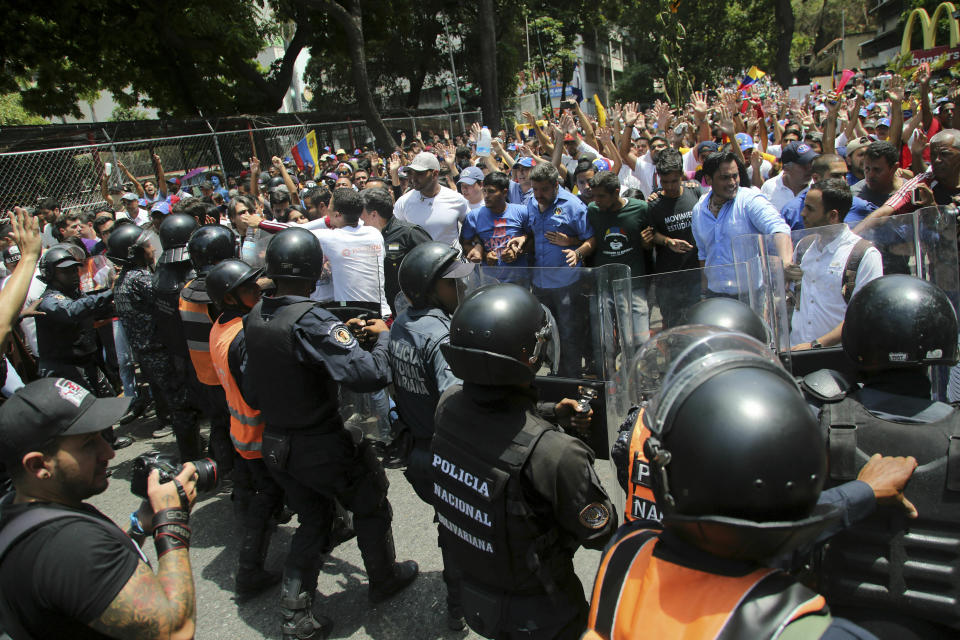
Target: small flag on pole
(753,74)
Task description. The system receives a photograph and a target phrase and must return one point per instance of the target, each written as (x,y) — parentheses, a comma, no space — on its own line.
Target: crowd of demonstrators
(155,295)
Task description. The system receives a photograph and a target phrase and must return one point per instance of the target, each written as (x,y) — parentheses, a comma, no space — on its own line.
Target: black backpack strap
(849,281)
(35,517)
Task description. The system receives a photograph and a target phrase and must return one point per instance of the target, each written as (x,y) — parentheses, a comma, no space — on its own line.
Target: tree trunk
(351,21)
(783,12)
(416,80)
(489,89)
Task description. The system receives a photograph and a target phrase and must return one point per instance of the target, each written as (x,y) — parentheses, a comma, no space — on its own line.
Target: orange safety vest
(196,328)
(641,504)
(637,595)
(246,423)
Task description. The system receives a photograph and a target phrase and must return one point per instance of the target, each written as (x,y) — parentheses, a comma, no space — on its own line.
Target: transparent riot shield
(590,363)
(922,244)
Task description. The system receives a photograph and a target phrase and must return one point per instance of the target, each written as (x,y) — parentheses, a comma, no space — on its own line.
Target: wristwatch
(815,344)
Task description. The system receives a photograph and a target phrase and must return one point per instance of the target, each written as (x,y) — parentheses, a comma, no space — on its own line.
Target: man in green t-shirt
(619,225)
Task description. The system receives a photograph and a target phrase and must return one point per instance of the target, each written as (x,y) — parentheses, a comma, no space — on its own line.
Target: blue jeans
(125,361)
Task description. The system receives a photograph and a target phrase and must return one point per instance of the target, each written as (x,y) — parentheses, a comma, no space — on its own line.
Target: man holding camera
(66,570)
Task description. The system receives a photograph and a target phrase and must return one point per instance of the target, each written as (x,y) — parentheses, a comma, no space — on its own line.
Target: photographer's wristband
(171,530)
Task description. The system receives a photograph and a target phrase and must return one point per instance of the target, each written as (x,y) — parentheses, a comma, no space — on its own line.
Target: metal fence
(73,175)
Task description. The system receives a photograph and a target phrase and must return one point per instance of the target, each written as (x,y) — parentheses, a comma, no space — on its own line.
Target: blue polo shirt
(793,216)
(495,230)
(567,215)
(748,213)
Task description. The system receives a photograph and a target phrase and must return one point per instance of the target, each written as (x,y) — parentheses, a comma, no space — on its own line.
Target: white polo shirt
(355,256)
(440,216)
(822,306)
(777,193)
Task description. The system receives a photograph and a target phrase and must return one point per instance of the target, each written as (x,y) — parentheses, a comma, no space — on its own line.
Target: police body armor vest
(641,503)
(69,342)
(246,423)
(485,521)
(194,313)
(638,595)
(889,561)
(291,395)
(168,281)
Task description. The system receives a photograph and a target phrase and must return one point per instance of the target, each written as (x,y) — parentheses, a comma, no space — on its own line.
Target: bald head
(947,137)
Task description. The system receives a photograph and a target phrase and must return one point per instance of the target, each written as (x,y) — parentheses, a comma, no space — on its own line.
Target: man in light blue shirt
(728,211)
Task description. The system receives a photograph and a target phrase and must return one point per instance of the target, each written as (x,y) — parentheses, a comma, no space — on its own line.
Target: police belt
(331,426)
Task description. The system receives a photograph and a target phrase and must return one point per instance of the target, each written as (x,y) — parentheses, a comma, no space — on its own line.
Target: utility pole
(453,69)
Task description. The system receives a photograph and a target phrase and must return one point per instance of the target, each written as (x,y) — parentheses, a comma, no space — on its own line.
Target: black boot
(137,408)
(252,578)
(299,623)
(387,576)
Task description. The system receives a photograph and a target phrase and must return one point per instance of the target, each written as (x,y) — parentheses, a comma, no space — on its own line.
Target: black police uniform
(136,306)
(895,576)
(66,339)
(399,237)
(297,353)
(515,498)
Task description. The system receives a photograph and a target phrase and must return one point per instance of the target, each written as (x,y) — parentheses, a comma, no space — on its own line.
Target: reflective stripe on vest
(246,423)
(196,328)
(641,504)
(637,595)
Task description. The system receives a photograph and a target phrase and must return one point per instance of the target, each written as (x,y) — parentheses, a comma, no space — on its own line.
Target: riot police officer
(66,338)
(428,278)
(721,482)
(131,247)
(894,575)
(515,496)
(297,354)
(207,246)
(232,286)
(633,471)
(173,270)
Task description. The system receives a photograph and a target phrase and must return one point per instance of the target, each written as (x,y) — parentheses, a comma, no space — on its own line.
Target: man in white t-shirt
(11,259)
(438,209)
(354,252)
(471,186)
(132,210)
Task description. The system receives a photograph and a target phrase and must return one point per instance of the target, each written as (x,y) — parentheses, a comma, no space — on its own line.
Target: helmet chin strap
(659,458)
(543,337)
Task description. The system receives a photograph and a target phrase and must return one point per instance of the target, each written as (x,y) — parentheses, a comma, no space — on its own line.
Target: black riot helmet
(210,244)
(59,256)
(500,334)
(126,241)
(423,266)
(275,182)
(294,253)
(175,232)
(729,314)
(900,321)
(744,482)
(225,277)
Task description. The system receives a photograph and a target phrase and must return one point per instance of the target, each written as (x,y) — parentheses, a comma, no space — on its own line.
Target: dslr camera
(167,465)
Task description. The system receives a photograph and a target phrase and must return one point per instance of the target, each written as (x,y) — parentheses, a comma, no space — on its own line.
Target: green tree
(12,112)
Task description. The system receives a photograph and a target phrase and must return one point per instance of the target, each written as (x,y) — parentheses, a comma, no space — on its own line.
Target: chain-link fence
(75,176)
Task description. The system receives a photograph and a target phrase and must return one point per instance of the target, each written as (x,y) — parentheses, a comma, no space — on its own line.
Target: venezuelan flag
(753,74)
(305,152)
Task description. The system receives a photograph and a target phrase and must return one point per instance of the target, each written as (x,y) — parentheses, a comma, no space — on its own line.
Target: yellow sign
(928,26)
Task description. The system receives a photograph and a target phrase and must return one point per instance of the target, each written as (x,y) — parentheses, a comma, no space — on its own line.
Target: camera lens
(207,476)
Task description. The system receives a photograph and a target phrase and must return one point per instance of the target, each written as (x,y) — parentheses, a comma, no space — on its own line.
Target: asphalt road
(417,613)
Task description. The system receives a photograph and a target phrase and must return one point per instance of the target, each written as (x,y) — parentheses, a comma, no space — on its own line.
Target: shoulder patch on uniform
(59,296)
(594,516)
(342,335)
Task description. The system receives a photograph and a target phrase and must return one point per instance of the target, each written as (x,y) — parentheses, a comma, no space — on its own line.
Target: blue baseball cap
(745,141)
(526,161)
(471,175)
(161,206)
(884,122)
(799,153)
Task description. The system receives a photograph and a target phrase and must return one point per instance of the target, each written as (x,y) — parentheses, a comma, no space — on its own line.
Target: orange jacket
(641,504)
(638,595)
(196,328)
(246,423)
